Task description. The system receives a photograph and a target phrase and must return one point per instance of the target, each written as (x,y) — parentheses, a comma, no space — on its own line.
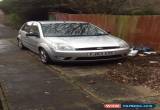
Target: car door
(35,39)
(24,30)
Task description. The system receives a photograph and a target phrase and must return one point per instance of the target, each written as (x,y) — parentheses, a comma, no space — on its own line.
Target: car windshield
(70,29)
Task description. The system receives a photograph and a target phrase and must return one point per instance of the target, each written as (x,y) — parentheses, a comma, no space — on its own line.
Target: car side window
(26,28)
(34,29)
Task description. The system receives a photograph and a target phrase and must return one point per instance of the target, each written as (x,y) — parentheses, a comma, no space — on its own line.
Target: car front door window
(34,37)
(26,28)
(34,30)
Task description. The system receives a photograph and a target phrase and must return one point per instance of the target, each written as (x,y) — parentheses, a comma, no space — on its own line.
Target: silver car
(70,41)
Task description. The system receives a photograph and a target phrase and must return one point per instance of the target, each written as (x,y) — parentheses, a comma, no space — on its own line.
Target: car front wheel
(44,56)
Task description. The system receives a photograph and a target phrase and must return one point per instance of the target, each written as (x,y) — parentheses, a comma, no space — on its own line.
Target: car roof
(48,22)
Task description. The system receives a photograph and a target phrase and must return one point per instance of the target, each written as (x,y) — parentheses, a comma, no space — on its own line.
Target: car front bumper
(91,55)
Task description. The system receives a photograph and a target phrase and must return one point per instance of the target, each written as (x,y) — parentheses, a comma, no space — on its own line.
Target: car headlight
(123,44)
(64,47)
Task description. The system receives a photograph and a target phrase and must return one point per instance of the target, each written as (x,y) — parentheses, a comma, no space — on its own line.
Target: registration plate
(101,53)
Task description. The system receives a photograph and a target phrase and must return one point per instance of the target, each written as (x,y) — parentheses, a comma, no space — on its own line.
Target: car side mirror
(32,34)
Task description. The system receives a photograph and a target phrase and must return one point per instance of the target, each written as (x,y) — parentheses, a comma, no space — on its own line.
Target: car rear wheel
(44,56)
(20,44)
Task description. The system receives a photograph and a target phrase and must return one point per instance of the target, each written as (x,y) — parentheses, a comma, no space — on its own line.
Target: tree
(24,10)
(101,6)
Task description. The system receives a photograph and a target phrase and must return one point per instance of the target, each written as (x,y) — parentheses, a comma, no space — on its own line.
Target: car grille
(98,48)
(99,57)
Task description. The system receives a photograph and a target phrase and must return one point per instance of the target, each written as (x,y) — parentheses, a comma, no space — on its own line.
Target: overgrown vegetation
(19,11)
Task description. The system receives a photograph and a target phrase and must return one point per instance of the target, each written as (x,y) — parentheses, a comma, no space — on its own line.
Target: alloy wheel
(43,56)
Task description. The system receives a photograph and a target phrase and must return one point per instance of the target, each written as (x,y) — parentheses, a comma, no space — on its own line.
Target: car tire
(45,59)
(20,44)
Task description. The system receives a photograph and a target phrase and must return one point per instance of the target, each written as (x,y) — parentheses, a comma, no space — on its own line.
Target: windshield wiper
(78,35)
(101,34)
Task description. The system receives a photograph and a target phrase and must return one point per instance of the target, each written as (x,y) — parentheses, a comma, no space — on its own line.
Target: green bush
(14,20)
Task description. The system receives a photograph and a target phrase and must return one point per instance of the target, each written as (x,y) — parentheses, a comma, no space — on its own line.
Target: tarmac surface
(30,85)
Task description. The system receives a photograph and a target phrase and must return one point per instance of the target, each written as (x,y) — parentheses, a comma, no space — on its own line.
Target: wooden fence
(137,30)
